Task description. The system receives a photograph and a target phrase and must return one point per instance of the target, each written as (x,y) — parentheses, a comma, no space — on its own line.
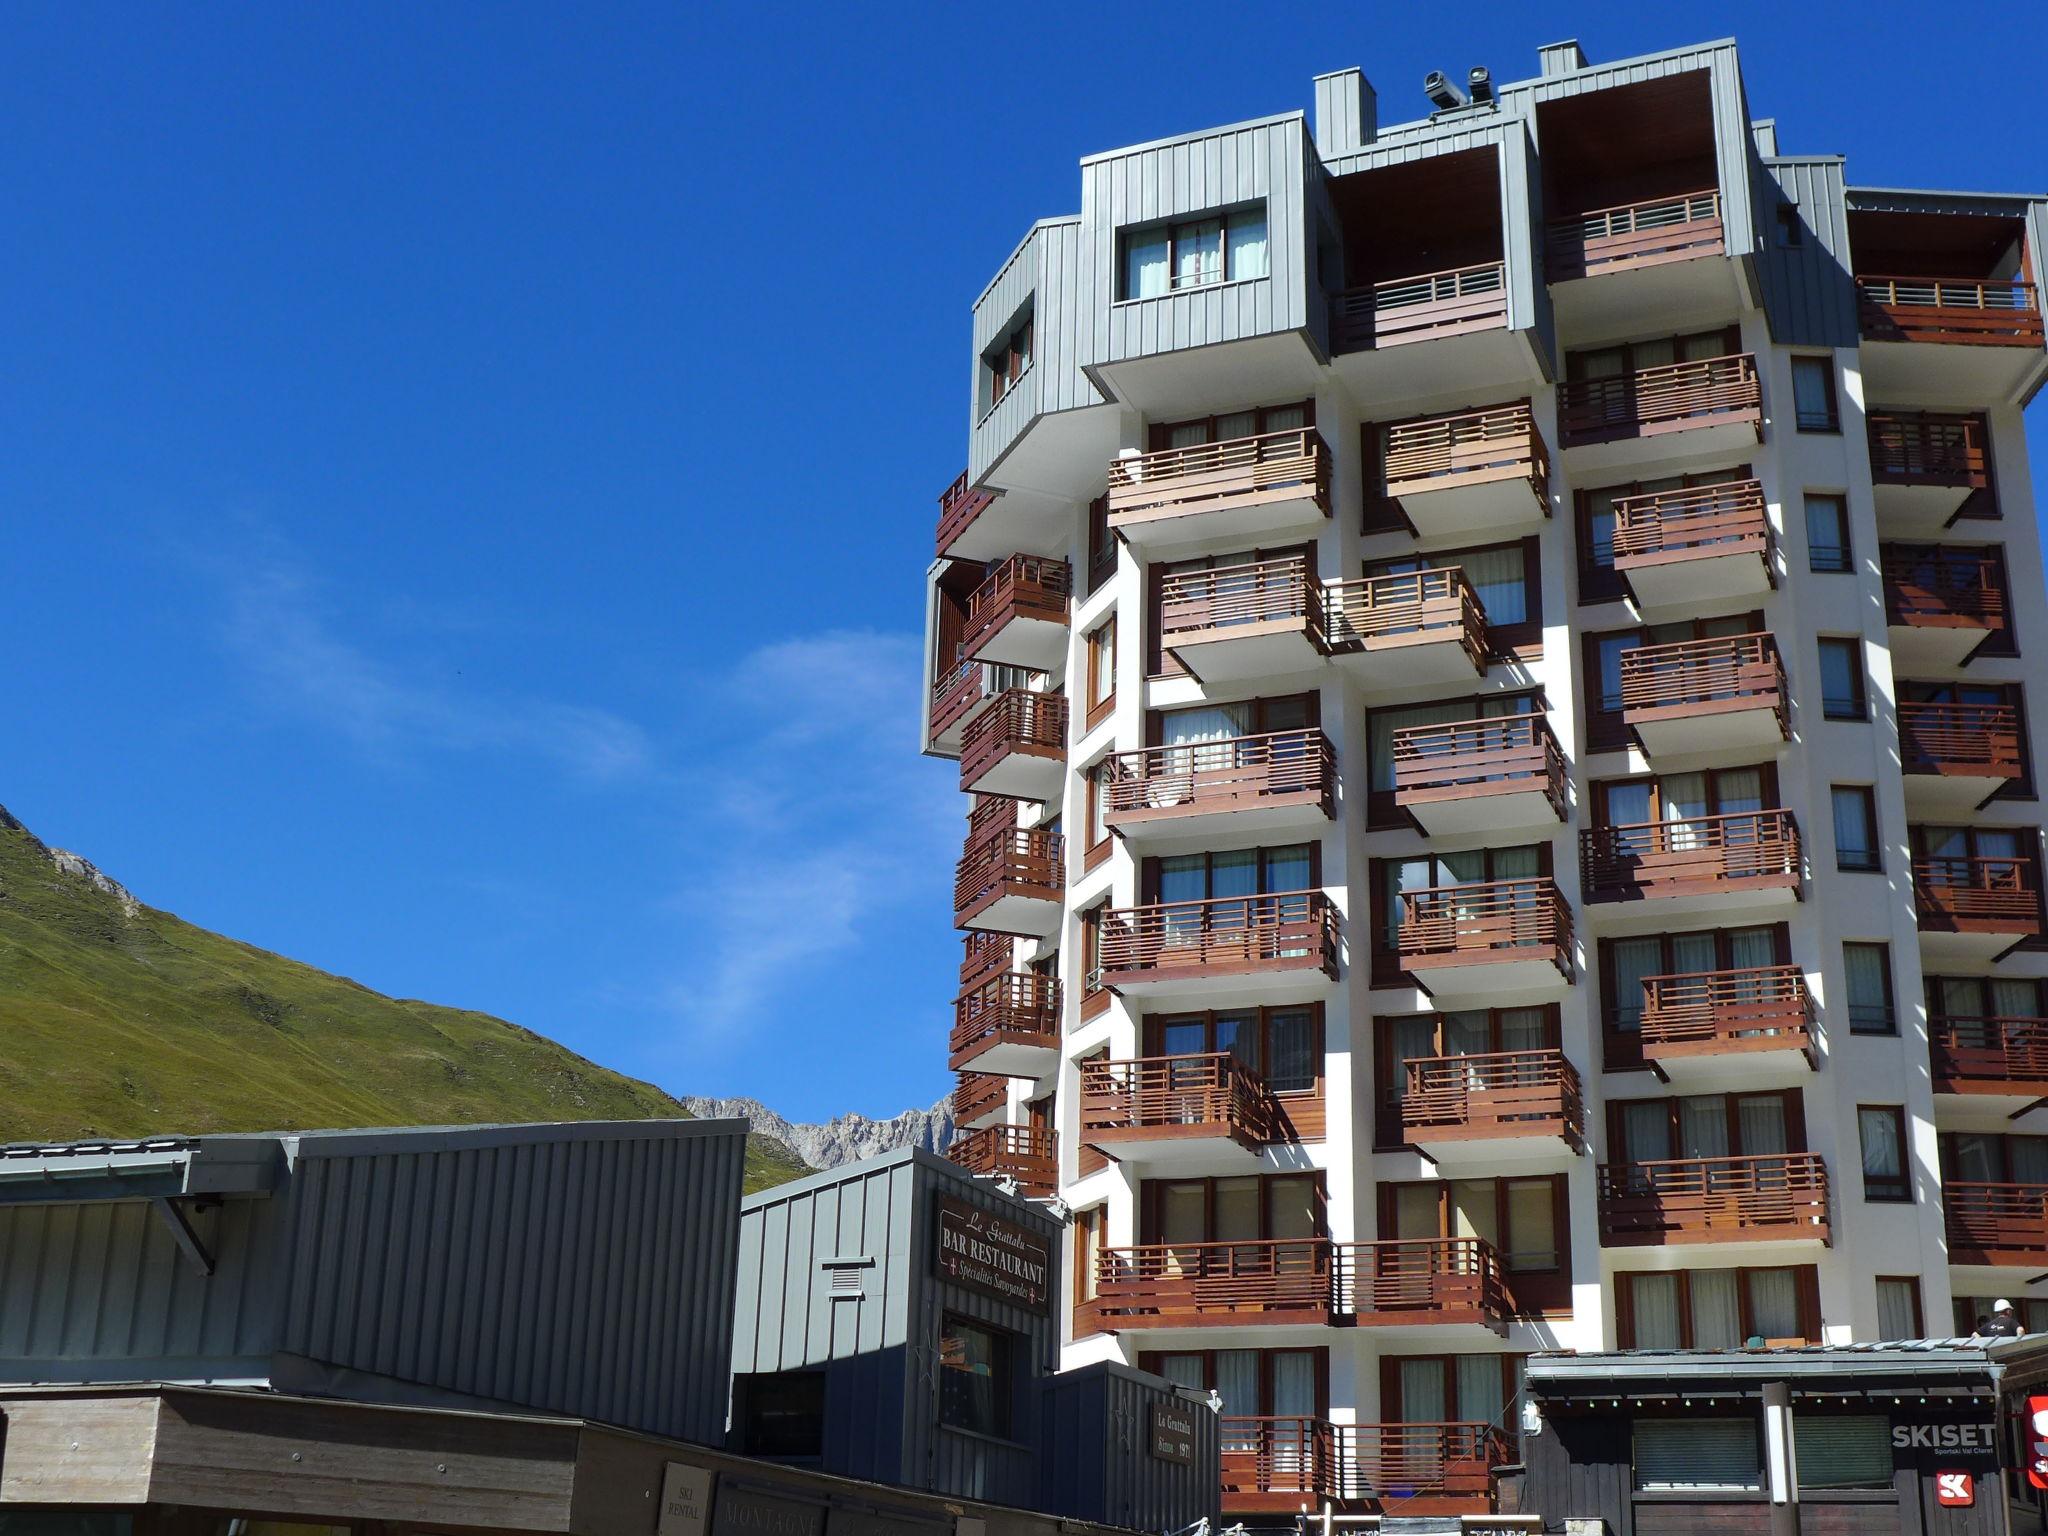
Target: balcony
(1413,630)
(1470,776)
(1016,749)
(1446,1289)
(1017,617)
(1731,1029)
(1206,1285)
(1999,1065)
(1942,602)
(1472,473)
(1487,937)
(982,954)
(1927,469)
(1956,756)
(1282,781)
(1280,1465)
(1519,1107)
(1720,695)
(1950,311)
(1704,543)
(964,691)
(1677,411)
(1775,1198)
(1429,306)
(1283,947)
(1027,1154)
(1208,1112)
(960,508)
(1996,1226)
(1009,1025)
(1261,489)
(1011,882)
(1260,619)
(979,1099)
(1633,236)
(1976,906)
(1739,860)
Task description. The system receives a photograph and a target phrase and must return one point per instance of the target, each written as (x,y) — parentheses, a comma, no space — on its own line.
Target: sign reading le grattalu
(999,1258)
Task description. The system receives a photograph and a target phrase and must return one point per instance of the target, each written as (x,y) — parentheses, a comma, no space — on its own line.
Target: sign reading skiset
(983,1252)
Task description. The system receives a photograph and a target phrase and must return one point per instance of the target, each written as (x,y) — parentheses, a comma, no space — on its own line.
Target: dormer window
(1193,253)
(1007,360)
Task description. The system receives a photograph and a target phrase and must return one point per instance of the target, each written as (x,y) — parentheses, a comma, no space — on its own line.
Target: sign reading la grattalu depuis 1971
(983,1252)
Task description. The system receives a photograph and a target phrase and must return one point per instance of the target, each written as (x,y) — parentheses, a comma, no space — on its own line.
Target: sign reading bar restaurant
(1173,1434)
(983,1252)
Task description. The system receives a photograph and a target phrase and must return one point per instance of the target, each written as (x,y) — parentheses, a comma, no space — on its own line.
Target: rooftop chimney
(1765,131)
(1561,58)
(1347,113)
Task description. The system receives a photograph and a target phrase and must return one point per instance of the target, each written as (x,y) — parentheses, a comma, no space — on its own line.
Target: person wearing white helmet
(2003,1323)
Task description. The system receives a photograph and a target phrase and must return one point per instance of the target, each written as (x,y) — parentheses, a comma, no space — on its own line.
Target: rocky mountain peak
(846,1139)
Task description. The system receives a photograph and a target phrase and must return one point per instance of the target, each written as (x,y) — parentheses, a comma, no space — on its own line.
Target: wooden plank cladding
(982,955)
(1017,1009)
(1644,234)
(1996,1056)
(1423,307)
(1022,862)
(1221,936)
(1208,1094)
(1020,724)
(1984,893)
(1724,675)
(1911,448)
(1711,1013)
(1388,613)
(1027,1153)
(1423,1280)
(1996,1223)
(1468,759)
(1943,586)
(959,505)
(968,686)
(976,1094)
(1774,1197)
(1494,1094)
(1235,774)
(1691,523)
(1958,311)
(1288,466)
(1733,851)
(1495,921)
(1023,587)
(1445,453)
(1676,397)
(1258,597)
(1977,741)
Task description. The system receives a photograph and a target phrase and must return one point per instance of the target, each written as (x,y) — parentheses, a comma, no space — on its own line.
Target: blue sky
(468,470)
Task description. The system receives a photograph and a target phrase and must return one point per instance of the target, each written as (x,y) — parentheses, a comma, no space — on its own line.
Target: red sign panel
(2037,1441)
(1955,1490)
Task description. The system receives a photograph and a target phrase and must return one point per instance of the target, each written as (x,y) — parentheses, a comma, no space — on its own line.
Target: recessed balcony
(1206,1111)
(1725,694)
(1949,338)
(1283,1465)
(1996,1226)
(1282,947)
(1016,749)
(1281,781)
(1427,306)
(1942,603)
(1976,906)
(1229,623)
(1706,407)
(1260,489)
(1471,473)
(1779,1197)
(979,1099)
(1928,469)
(1446,1289)
(1488,937)
(1207,1285)
(1490,775)
(1699,544)
(1009,1024)
(1011,882)
(1018,616)
(1502,1107)
(1736,860)
(1632,236)
(1729,1028)
(1999,1065)
(1026,1154)
(1415,629)
(963,692)
(1956,756)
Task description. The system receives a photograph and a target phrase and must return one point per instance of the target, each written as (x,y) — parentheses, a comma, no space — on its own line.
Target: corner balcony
(1026,1154)
(1928,469)
(1008,1025)
(1704,543)
(1017,749)
(1999,1065)
(1262,489)
(1452,328)
(1283,948)
(1017,617)
(1418,629)
(1956,756)
(1207,1112)
(1209,1285)
(1470,776)
(1942,603)
(960,509)
(1734,1028)
(1523,1108)
(1486,938)
(1443,1289)
(1949,338)
(982,955)
(1278,782)
(1281,1465)
(966,689)
(1721,695)
(1779,1197)
(1607,267)
(1976,907)
(1013,883)
(1477,472)
(1236,622)
(1427,306)
(979,1099)
(1679,411)
(1996,1226)
(1740,860)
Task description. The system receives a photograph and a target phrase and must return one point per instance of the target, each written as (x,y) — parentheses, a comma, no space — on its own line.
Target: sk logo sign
(1955,1490)
(2037,1441)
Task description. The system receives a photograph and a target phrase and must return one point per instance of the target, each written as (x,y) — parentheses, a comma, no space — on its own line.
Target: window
(1101,672)
(1842,1450)
(1434,871)
(1254,1384)
(1898,1308)
(1283,1209)
(1187,877)
(1680,1455)
(974,1377)
(1236,577)
(1791,232)
(1094,996)
(1704,1125)
(1827,533)
(1281,1046)
(1447,1389)
(1981,1009)
(1867,969)
(1380,809)
(1506,578)
(1599,582)
(1523,1219)
(1716,1308)
(1881,1128)
(782,1414)
(1469,1032)
(1661,352)
(1606,730)
(1982,1157)
(1090,1228)
(1856,847)
(1221,248)
(1095,792)
(1813,394)
(1841,679)
(1625,962)
(1101,545)
(1973,1310)
(1006,362)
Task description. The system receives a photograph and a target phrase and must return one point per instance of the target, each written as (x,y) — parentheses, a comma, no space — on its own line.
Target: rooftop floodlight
(1443,95)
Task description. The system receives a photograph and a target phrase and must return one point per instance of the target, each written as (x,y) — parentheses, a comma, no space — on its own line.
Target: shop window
(974,1378)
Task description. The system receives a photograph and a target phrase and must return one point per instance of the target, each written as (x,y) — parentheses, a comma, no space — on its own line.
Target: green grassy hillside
(119,1020)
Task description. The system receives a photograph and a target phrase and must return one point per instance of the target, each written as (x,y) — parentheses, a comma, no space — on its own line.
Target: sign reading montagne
(981,1251)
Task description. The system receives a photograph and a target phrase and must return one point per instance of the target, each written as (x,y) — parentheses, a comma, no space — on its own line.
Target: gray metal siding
(1809,294)
(1347,112)
(1097,1462)
(1045,272)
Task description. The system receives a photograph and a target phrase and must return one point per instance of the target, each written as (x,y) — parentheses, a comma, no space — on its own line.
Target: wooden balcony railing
(1011,1008)
(1236,773)
(1027,1153)
(1703,677)
(1927,448)
(959,505)
(1711,1013)
(1977,741)
(1443,452)
(2002,1054)
(1371,613)
(1643,234)
(1279,1463)
(1773,1197)
(1995,1223)
(1491,1095)
(1023,586)
(1183,1284)
(1196,604)
(990,816)
(970,683)
(1419,308)
(1982,312)
(1697,856)
(1222,936)
(1028,861)
(1675,397)
(1018,721)
(1693,523)
(978,1093)
(1209,1094)
(1241,471)
(1994,893)
(1416,1280)
(1935,586)
(1486,921)
(1471,759)
(982,956)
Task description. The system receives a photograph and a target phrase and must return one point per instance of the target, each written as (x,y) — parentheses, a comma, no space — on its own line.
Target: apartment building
(1487,658)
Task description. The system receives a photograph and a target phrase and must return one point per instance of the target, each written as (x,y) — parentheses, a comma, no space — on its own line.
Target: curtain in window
(1976,1159)
(1422,1392)
(1237,1382)
(1646,1131)
(1291,1066)
(1467,1034)
(1532,1226)
(1496,577)
(1237,1210)
(1183,1371)
(1473,1211)
(1611,650)
(2029,1159)
(1522,1029)
(1863,968)
(1600,528)
(1750,949)
(1810,392)
(1853,844)
(1380,728)
(2013,999)
(1703,1127)
(1761,1119)
(1415,1211)
(1884,1160)
(1633,960)
(1294,1397)
(1716,1311)
(1414,1039)
(1895,1310)
(1479,1392)
(1685,803)
(1292,1207)
(1736,792)
(1197,731)
(1693,954)
(1246,245)
(1198,253)
(1145,264)
(1655,1302)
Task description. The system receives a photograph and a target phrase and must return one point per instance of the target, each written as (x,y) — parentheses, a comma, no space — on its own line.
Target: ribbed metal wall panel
(1808,291)
(1347,112)
(1098,1464)
(1044,272)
